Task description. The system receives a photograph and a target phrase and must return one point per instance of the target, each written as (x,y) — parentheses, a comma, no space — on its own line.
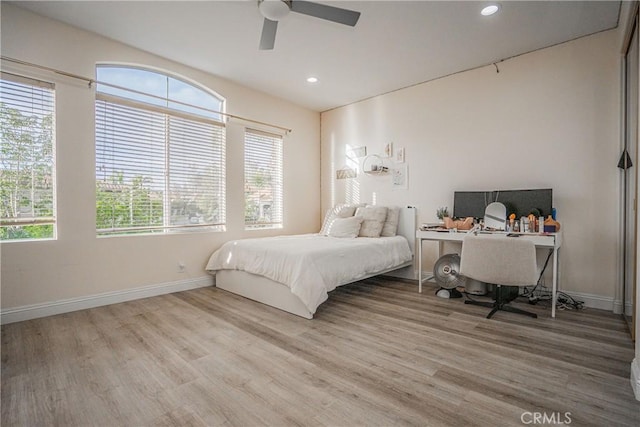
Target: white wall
(628,16)
(78,263)
(547,119)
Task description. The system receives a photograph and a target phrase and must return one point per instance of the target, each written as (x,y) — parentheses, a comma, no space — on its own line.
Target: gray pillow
(373,218)
(390,227)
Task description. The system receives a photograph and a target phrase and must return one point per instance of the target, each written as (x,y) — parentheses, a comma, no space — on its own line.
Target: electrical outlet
(181,267)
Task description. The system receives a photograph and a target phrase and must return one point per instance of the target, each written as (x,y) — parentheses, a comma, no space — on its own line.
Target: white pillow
(338,211)
(345,227)
(373,220)
(390,227)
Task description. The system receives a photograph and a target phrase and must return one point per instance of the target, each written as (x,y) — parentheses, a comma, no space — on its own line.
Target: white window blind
(157,169)
(263,185)
(27,161)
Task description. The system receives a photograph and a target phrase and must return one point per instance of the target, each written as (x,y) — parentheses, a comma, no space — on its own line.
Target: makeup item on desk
(541,224)
(551,225)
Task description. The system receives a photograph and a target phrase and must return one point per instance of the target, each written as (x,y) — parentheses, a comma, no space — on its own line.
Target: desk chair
(503,261)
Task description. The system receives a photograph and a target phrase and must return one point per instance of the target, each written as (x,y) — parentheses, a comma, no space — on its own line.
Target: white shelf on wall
(374,165)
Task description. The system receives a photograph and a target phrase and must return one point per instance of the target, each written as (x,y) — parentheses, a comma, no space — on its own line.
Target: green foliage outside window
(26,173)
(124,205)
(257,194)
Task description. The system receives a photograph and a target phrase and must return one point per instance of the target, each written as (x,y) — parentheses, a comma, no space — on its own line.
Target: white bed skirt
(261,289)
(275,294)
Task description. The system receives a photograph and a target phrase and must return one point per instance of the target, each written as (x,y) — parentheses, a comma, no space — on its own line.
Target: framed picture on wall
(400,177)
(357,152)
(388,150)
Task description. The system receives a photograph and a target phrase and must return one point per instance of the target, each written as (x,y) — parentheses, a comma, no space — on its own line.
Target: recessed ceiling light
(490,10)
(312,79)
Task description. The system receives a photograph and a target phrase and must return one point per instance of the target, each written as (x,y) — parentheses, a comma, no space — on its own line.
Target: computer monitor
(470,203)
(519,202)
(522,202)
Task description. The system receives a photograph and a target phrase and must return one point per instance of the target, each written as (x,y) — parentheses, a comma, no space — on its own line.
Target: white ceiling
(394,45)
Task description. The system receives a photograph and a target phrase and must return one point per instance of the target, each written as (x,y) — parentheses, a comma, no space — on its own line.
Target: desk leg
(554,289)
(419,265)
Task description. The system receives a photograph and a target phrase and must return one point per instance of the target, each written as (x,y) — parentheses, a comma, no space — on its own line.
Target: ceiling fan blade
(322,11)
(268,38)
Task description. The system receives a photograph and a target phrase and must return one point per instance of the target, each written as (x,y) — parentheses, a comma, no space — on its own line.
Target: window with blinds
(262,180)
(27,158)
(160,161)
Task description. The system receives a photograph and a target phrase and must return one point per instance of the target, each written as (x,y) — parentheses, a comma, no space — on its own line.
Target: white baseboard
(635,377)
(34,311)
(593,301)
(617,307)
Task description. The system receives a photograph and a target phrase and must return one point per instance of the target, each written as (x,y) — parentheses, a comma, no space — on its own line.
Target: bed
(296,273)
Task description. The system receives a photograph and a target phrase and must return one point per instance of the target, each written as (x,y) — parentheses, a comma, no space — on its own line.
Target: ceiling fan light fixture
(312,79)
(490,9)
(274,10)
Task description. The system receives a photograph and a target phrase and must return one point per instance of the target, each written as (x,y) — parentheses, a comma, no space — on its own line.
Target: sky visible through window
(159,85)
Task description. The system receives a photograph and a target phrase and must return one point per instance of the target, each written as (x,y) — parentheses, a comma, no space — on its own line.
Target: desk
(551,241)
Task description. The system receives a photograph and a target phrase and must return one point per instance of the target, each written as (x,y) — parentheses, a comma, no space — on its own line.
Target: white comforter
(312,265)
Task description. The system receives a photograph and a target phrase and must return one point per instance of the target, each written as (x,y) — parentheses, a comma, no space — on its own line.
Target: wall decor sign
(346,173)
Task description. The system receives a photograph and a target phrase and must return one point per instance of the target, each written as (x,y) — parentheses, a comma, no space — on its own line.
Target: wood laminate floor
(377,353)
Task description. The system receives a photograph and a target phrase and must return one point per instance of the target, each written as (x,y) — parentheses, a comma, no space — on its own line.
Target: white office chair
(503,261)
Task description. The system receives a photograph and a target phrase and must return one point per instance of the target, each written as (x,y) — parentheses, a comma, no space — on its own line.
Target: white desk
(551,241)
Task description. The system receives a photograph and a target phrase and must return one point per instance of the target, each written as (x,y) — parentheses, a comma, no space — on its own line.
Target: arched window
(160,153)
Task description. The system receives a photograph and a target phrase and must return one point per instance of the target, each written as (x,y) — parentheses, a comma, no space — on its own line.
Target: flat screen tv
(520,202)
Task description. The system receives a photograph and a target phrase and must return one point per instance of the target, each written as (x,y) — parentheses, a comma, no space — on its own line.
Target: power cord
(530,293)
(567,302)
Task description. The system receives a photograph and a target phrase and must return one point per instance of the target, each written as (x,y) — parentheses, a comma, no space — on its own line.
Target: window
(160,154)
(262,180)
(27,171)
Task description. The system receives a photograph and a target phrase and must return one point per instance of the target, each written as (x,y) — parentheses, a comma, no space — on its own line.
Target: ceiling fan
(275,10)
